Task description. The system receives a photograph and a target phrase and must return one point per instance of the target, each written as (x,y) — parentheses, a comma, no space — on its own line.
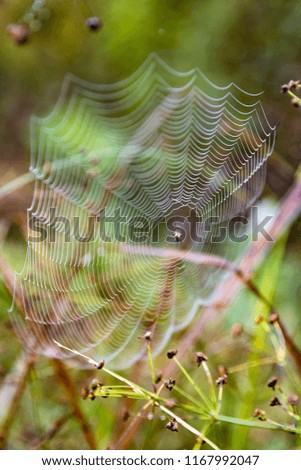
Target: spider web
(157,147)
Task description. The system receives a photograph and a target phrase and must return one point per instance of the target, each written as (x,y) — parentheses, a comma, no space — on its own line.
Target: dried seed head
(94,384)
(259,414)
(222,380)
(18,32)
(148,336)
(170,383)
(293,400)
(292,84)
(284,88)
(178,235)
(273,318)
(91,395)
(296,102)
(158,376)
(172,426)
(275,402)
(236,330)
(94,23)
(200,357)
(101,364)
(172,353)
(272,382)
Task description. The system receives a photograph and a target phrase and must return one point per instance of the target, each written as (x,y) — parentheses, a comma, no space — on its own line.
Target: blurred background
(255,44)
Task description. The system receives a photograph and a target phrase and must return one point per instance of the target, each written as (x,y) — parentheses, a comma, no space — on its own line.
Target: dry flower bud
(170,383)
(172,353)
(200,357)
(158,376)
(293,400)
(172,425)
(94,23)
(275,402)
(101,364)
(18,32)
(272,382)
(148,336)
(222,380)
(259,414)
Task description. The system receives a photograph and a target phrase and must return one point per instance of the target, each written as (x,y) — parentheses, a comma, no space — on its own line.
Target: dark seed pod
(172,426)
(94,23)
(272,382)
(292,84)
(222,380)
(275,402)
(200,357)
(284,88)
(18,32)
(172,353)
(148,336)
(101,364)
(170,383)
(94,384)
(158,376)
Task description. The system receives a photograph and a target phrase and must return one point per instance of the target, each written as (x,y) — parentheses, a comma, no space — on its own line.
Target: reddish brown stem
(63,376)
(15,401)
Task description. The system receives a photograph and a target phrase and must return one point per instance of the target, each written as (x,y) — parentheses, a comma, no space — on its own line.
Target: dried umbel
(172,425)
(272,382)
(200,357)
(117,167)
(171,353)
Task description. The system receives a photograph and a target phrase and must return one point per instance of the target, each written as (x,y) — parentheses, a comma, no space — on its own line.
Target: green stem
(192,382)
(188,427)
(151,363)
(258,424)
(210,381)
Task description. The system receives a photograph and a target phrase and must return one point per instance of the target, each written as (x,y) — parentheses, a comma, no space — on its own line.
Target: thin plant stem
(151,363)
(193,383)
(188,426)
(210,381)
(219,399)
(268,424)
